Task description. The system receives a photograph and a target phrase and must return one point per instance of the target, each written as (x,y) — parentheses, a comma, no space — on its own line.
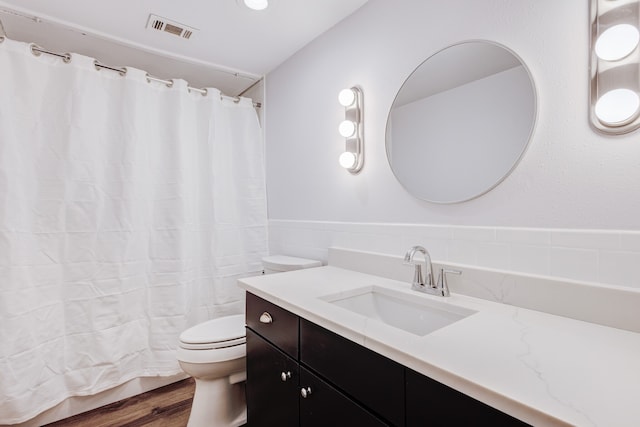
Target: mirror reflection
(461,122)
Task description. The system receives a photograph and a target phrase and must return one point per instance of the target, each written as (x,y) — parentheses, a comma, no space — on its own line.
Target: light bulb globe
(617,107)
(346,97)
(257,4)
(347,128)
(347,160)
(617,42)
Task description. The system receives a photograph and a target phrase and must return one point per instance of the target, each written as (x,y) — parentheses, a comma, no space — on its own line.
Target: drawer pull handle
(305,392)
(284,376)
(266,318)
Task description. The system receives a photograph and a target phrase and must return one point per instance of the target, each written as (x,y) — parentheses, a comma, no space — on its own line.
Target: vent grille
(177,31)
(158,23)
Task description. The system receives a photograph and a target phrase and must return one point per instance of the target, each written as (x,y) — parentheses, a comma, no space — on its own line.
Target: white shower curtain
(128,209)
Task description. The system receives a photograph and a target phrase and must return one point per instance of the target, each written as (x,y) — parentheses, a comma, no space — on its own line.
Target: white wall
(569,178)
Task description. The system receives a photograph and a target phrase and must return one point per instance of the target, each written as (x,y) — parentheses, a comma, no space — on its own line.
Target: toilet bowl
(214,354)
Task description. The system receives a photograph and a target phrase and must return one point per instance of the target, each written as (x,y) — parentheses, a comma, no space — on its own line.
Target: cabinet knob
(284,376)
(266,318)
(305,392)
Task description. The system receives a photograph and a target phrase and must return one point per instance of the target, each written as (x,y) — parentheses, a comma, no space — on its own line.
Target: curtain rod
(66,57)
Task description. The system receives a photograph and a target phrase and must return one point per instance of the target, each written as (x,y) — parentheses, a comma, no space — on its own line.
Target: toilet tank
(280,263)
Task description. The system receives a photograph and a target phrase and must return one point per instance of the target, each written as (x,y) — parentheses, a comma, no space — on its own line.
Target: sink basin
(410,313)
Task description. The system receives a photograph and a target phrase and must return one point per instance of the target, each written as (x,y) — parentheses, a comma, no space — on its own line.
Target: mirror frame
(516,161)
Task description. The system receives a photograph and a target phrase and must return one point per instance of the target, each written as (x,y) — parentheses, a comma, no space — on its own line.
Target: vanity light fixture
(351,128)
(615,66)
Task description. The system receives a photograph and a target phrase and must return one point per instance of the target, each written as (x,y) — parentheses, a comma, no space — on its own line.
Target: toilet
(213,353)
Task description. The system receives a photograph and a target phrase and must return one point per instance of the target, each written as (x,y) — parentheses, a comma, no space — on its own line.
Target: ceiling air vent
(158,23)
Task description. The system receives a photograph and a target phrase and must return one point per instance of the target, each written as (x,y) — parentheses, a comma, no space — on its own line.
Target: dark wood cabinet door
(272,385)
(325,406)
(430,403)
(368,377)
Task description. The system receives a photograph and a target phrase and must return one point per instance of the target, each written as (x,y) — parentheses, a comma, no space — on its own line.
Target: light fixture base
(354,140)
(614,67)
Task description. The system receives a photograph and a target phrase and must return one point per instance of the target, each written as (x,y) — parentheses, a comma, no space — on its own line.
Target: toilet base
(219,401)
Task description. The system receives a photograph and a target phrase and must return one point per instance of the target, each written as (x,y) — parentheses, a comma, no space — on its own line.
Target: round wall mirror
(461,122)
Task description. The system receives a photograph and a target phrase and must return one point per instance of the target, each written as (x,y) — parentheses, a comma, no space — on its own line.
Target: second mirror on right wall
(461,122)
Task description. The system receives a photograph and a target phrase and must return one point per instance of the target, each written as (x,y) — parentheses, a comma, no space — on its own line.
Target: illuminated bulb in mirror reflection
(617,42)
(346,97)
(347,160)
(617,107)
(347,128)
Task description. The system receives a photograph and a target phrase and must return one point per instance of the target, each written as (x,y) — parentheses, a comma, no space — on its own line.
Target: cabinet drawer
(274,323)
(370,378)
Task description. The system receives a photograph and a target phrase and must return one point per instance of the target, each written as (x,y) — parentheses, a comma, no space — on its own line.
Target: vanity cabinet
(283,391)
(301,374)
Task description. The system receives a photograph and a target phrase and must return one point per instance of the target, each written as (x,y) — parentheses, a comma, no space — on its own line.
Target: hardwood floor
(167,406)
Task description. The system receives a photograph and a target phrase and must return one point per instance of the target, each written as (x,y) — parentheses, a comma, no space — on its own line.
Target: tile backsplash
(613,306)
(609,257)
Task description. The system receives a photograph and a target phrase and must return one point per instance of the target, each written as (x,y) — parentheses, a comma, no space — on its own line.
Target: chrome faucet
(418,281)
(428,286)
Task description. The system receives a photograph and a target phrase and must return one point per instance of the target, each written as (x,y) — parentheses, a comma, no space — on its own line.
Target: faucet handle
(443,286)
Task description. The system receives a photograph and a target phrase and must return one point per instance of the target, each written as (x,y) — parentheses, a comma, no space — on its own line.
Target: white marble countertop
(541,368)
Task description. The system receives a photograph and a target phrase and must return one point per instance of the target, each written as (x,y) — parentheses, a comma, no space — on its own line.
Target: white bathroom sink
(411,313)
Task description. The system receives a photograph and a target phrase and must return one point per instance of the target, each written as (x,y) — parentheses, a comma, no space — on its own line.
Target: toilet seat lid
(214,345)
(225,331)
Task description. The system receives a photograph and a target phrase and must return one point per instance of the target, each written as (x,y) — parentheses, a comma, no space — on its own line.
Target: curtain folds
(128,210)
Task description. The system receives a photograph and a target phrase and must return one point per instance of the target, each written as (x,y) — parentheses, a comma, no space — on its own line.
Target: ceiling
(231,48)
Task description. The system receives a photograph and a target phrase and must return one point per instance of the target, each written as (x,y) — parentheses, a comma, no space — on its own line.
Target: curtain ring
(202,91)
(123,71)
(2,39)
(66,58)
(34,50)
(95,64)
(170,83)
(235,99)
